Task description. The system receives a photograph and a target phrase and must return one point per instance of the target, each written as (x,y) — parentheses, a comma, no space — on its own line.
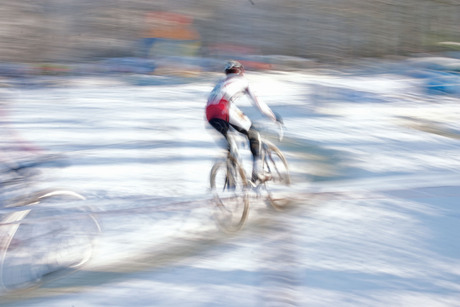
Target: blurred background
(333,31)
(372,141)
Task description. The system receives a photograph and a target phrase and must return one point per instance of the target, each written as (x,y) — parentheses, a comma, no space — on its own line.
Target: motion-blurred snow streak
(374,219)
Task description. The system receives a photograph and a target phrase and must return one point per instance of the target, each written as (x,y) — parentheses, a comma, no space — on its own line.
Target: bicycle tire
(229,186)
(36,245)
(276,165)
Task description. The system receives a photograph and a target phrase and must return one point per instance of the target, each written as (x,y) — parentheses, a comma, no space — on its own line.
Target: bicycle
(39,238)
(231,185)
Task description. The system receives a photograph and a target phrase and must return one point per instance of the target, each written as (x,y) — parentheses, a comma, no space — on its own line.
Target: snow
(374,219)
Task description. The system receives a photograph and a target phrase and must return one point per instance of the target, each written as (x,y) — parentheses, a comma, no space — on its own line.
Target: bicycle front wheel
(276,165)
(229,185)
(39,242)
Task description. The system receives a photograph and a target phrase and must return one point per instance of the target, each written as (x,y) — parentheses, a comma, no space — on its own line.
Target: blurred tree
(58,30)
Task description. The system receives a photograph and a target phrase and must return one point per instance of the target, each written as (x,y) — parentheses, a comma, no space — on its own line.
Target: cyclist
(222,112)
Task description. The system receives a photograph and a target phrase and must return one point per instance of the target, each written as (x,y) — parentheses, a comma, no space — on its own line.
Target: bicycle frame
(267,149)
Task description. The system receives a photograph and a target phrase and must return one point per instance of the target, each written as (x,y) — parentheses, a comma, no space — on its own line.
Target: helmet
(234,67)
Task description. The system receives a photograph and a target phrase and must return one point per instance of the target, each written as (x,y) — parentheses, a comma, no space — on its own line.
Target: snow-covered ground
(374,219)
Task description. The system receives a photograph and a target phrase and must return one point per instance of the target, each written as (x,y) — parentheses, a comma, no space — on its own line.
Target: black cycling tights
(253,135)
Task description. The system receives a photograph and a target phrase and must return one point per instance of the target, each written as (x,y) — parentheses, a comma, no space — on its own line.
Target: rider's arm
(262,106)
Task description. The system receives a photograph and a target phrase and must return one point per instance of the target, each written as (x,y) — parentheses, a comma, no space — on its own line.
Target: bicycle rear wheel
(229,185)
(40,242)
(276,165)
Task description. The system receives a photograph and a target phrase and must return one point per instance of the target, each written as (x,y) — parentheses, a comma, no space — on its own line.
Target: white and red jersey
(221,101)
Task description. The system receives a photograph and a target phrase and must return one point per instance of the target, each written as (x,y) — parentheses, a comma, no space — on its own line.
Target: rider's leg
(221,126)
(242,124)
(255,147)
